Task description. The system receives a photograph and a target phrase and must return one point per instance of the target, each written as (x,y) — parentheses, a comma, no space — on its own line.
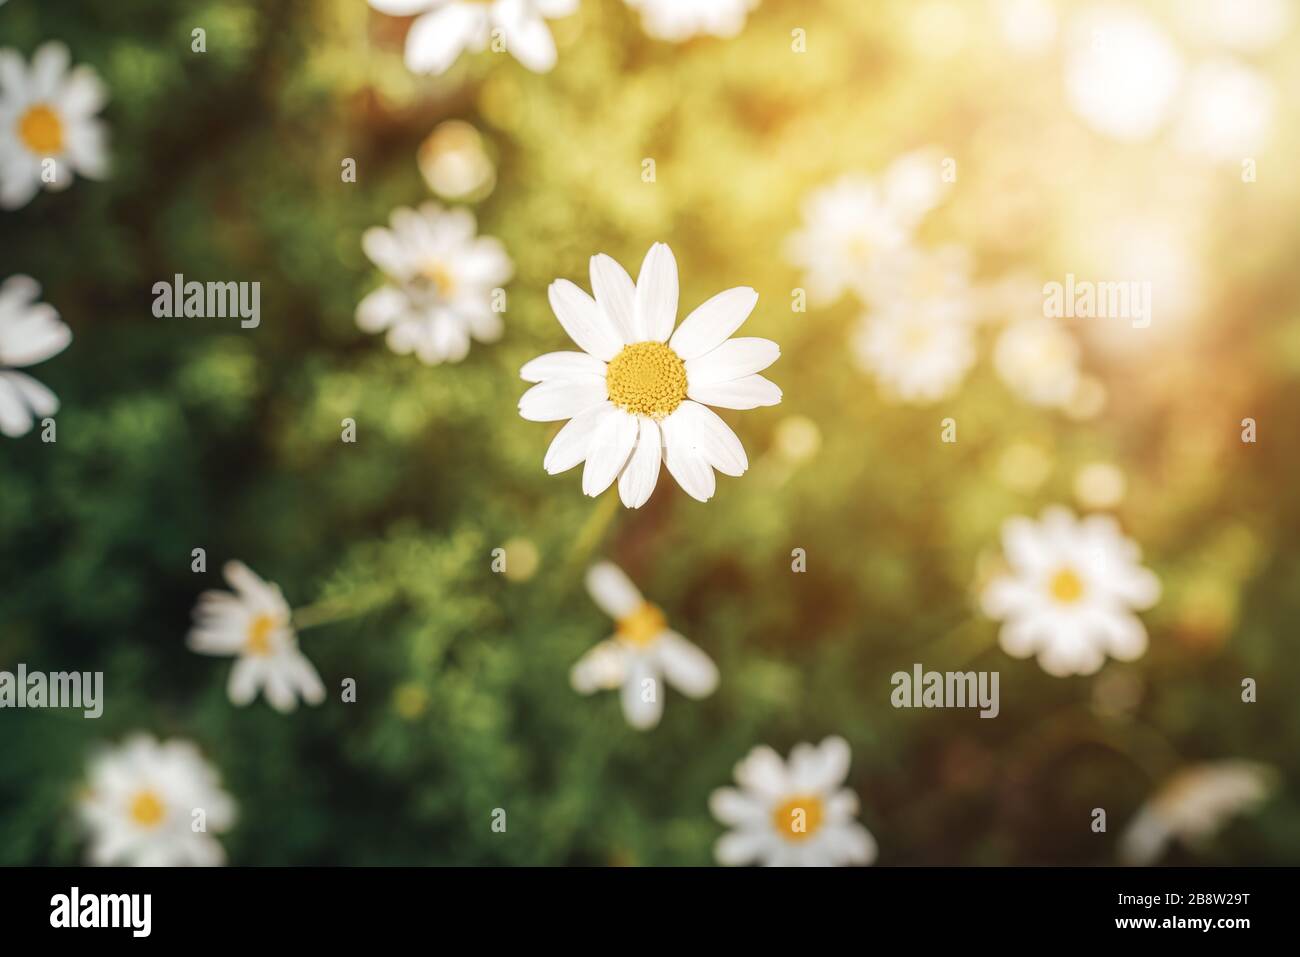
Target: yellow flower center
(917,338)
(260,630)
(799,817)
(643,626)
(147,809)
(1066,586)
(41,130)
(646,378)
(440,277)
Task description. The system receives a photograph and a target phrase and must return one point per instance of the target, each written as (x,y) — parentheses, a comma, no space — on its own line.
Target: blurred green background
(176,434)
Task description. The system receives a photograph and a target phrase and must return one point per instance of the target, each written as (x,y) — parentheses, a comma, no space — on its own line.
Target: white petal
(381,308)
(686,667)
(744,846)
(738,809)
(49,64)
(245,678)
(615,294)
(612,590)
(15,419)
(38,398)
(561,365)
(572,443)
(83,94)
(747,393)
(712,438)
(302,673)
(436,39)
(684,459)
(527,37)
(734,359)
(642,471)
(656,295)
(583,320)
(602,668)
(642,695)
(713,322)
(611,444)
(561,398)
(403,8)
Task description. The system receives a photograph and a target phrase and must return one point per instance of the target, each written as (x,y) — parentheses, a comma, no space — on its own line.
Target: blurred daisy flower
(642,653)
(678,20)
(1121,71)
(792,814)
(1039,361)
(915,350)
(455,163)
(443,29)
(253,624)
(850,222)
(637,393)
(142,801)
(1070,592)
(47,113)
(1192,805)
(30,332)
(1227,111)
(441,281)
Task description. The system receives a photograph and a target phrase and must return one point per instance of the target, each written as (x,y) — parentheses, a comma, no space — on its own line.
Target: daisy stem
(594,529)
(356,602)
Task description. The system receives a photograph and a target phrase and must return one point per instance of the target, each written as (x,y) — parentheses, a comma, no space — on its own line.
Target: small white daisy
(1192,805)
(1039,360)
(47,112)
(444,29)
(141,802)
(677,20)
(254,625)
(915,351)
(441,280)
(1070,592)
(851,222)
(792,814)
(638,391)
(30,332)
(642,654)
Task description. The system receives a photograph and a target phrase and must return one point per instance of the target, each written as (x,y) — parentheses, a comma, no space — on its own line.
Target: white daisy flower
(1194,804)
(916,350)
(47,112)
(852,221)
(30,332)
(637,392)
(1070,592)
(141,801)
(253,624)
(642,654)
(792,814)
(1039,360)
(441,280)
(1227,112)
(443,29)
(677,20)
(1122,71)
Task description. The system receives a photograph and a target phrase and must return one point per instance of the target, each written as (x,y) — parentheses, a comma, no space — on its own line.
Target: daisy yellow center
(147,809)
(642,626)
(440,277)
(260,629)
(41,130)
(917,338)
(1066,586)
(646,378)
(799,817)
